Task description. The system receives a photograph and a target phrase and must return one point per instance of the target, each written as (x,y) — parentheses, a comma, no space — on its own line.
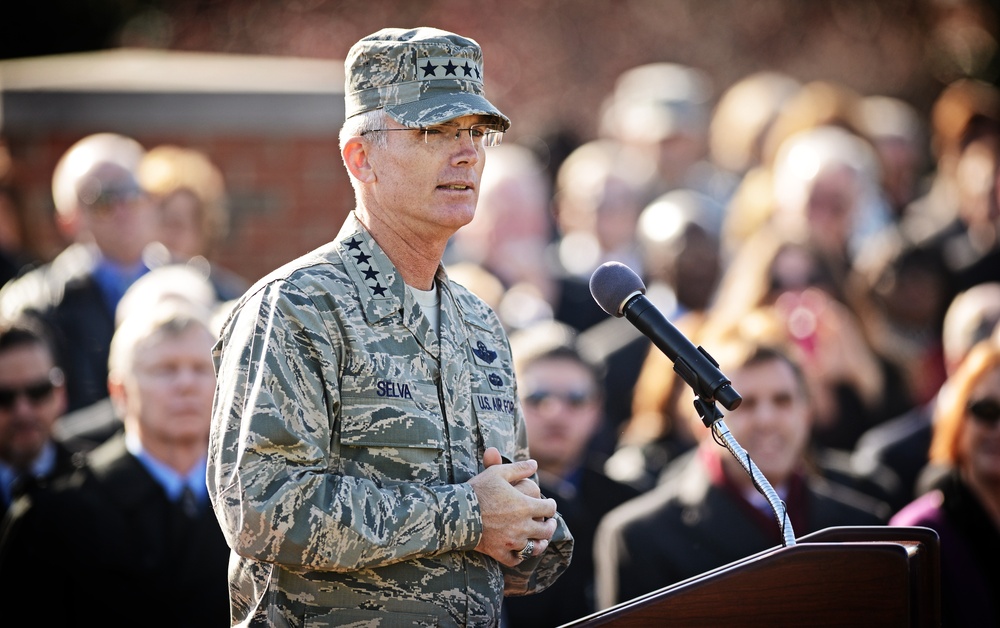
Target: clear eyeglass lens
(485,134)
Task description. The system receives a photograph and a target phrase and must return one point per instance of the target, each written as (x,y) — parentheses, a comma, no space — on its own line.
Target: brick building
(269,123)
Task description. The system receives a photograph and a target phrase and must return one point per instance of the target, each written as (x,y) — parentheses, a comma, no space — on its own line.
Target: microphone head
(613,284)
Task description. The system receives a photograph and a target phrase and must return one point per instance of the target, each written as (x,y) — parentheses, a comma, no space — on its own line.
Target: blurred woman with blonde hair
(963,501)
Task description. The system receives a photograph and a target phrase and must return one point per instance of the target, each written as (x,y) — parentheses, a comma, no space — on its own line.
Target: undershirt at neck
(430,304)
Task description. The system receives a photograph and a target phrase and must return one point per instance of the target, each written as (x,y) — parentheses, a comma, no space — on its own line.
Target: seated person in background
(963,505)
(901,444)
(192,211)
(32,398)
(91,426)
(706,513)
(562,399)
(110,221)
(136,519)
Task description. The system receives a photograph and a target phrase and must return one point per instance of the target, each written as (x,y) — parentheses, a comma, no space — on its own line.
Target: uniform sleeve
(537,574)
(274,476)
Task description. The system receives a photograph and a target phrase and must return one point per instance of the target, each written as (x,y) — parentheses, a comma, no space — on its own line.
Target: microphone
(620,292)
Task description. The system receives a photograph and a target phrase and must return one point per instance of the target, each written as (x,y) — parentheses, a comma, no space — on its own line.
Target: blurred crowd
(838,253)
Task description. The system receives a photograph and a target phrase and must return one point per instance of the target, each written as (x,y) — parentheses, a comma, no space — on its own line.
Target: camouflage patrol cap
(420,76)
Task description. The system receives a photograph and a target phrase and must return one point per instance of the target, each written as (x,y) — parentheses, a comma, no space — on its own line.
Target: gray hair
(362,123)
(171,317)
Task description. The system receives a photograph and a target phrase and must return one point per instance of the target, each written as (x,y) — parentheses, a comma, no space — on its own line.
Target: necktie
(189,503)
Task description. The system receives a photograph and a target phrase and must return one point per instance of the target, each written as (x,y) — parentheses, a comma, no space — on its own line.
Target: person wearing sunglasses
(134,519)
(963,503)
(32,399)
(561,393)
(368,459)
(109,221)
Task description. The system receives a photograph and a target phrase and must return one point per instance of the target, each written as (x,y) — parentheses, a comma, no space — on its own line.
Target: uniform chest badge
(483,353)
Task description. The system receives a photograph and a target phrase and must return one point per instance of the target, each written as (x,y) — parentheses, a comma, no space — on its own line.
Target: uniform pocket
(391,430)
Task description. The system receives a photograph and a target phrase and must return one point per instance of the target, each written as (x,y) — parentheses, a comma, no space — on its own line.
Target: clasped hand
(512,509)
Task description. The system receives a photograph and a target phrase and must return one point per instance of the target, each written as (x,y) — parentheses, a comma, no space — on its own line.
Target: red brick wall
(287,195)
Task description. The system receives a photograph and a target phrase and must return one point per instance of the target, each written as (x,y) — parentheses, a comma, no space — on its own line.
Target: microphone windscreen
(612,283)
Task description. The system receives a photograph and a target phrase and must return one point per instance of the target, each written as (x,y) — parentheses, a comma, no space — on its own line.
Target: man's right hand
(512,509)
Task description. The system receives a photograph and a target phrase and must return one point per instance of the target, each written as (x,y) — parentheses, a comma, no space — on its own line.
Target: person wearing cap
(368,461)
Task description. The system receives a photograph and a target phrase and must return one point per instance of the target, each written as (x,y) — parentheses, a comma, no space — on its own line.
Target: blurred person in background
(655,433)
(740,123)
(959,215)
(96,423)
(963,504)
(511,234)
(110,220)
(561,394)
(705,512)
(678,236)
(826,185)
(32,400)
(851,387)
(898,134)
(136,518)
(900,291)
(13,255)
(597,201)
(812,105)
(191,202)
(964,112)
(744,114)
(660,114)
(902,443)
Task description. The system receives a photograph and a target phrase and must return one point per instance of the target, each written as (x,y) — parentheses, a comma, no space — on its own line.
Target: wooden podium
(843,576)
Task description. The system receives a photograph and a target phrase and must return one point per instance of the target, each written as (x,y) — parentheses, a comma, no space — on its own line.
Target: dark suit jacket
(65,297)
(67,461)
(689,525)
(107,547)
(902,444)
(572,595)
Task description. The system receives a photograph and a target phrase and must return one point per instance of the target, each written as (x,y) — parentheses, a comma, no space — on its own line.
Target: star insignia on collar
(353,244)
(378,289)
(362,258)
(371,273)
(429,69)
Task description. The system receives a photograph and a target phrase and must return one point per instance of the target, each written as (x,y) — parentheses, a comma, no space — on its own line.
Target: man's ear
(356,158)
(70,224)
(118,396)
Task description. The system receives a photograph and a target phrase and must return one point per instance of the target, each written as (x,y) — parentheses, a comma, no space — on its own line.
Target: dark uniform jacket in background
(689,525)
(65,296)
(106,547)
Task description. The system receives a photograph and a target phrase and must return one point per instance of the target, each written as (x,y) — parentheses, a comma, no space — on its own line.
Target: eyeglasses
(103,201)
(35,393)
(572,398)
(985,411)
(488,135)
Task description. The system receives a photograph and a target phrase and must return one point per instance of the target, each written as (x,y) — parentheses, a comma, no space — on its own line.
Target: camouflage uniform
(343,435)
